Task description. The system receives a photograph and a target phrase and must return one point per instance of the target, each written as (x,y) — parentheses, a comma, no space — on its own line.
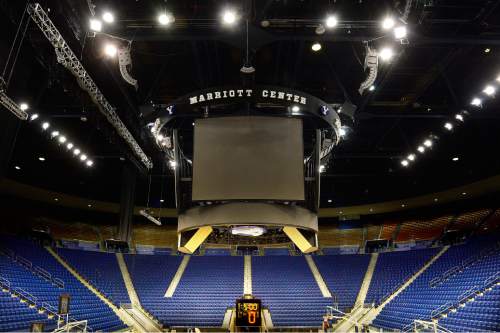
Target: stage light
(489,90)
(172,164)
(295,108)
(95,25)
(24,106)
(41,159)
(45,125)
(464,193)
(162,201)
(321,168)
(330,200)
(388,23)
(108,17)
(421,149)
(331,21)
(34,116)
(455,159)
(76,152)
(229,17)
(459,117)
(110,50)
(316,47)
(372,88)
(54,134)
(428,143)
(89,205)
(83,157)
(17,167)
(69,145)
(403,205)
(342,132)
(386,54)
(62,139)
(400,32)
(89,163)
(165,19)
(436,199)
(411,157)
(487,50)
(404,163)
(476,101)
(448,126)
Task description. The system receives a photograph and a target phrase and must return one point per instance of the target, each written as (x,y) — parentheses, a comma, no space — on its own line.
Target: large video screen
(248,158)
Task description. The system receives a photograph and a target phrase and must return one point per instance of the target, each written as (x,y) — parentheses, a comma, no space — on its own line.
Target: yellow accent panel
(298,239)
(199,237)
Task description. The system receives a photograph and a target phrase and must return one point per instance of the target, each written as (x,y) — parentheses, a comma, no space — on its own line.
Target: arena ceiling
(452,53)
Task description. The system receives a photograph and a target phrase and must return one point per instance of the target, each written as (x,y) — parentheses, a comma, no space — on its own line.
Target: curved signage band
(227,100)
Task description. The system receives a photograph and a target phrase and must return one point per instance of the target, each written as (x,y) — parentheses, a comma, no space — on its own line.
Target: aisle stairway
(360,299)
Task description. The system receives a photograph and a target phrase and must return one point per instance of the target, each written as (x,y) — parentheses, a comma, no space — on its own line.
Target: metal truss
(9,104)
(371,62)
(67,58)
(124,60)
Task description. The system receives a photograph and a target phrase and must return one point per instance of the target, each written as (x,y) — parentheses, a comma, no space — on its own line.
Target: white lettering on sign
(224,94)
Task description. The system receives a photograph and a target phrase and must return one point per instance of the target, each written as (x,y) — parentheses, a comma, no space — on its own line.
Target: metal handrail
(25,294)
(58,282)
(439,310)
(24,261)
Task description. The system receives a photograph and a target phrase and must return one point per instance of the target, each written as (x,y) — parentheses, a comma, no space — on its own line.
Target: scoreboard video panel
(248,313)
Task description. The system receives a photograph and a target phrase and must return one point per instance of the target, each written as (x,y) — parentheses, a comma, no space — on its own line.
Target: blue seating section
(14,315)
(84,305)
(393,269)
(343,274)
(276,252)
(101,270)
(419,299)
(287,286)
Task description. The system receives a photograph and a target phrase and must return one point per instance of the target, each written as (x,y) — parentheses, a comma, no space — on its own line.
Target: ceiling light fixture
(455,159)
(295,108)
(41,158)
(400,32)
(62,139)
(386,54)
(459,117)
(331,21)
(76,152)
(489,90)
(404,163)
(34,116)
(330,200)
(371,88)
(95,25)
(229,17)
(448,126)
(83,157)
(17,167)
(108,17)
(316,47)
(89,163)
(45,125)
(24,106)
(388,23)
(428,143)
(69,145)
(411,157)
(476,101)
(421,149)
(165,19)
(110,50)
(54,134)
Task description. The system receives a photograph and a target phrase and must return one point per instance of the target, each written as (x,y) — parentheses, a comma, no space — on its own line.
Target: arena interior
(250,166)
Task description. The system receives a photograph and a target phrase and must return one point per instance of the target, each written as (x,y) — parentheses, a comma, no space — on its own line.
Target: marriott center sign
(259,94)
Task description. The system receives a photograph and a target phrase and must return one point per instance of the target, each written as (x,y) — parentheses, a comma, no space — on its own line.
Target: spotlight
(342,132)
(83,157)
(459,117)
(400,32)
(45,125)
(54,134)
(41,159)
(331,21)
(89,163)
(411,157)
(436,199)
(229,17)
(464,193)
(330,200)
(321,168)
(162,201)
(76,152)
(295,108)
(428,143)
(69,145)
(404,163)
(110,50)
(34,116)
(24,106)
(316,47)
(17,167)
(455,159)
(388,23)
(487,50)
(165,19)
(421,149)
(62,139)
(489,90)
(476,102)
(386,54)
(173,164)
(372,88)
(95,25)
(448,126)
(108,17)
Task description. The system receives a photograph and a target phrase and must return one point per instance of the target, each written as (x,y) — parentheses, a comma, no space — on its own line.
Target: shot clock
(248,312)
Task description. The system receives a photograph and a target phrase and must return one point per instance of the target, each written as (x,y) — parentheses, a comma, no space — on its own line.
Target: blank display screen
(248,158)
